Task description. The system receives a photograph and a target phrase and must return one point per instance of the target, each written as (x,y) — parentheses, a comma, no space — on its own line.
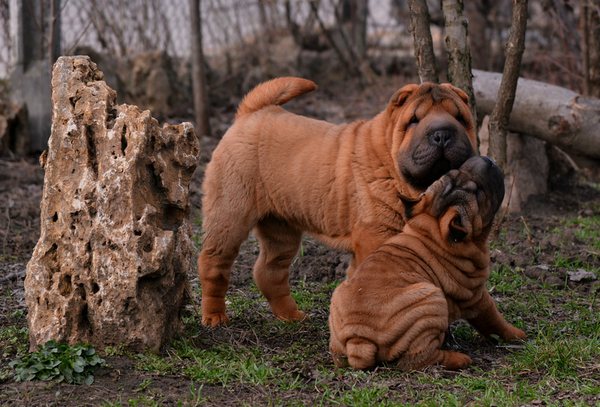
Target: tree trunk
(506,95)
(419,26)
(198,74)
(594,47)
(551,113)
(459,54)
(585,47)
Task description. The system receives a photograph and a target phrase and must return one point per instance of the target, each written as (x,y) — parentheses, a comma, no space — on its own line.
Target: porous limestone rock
(111,264)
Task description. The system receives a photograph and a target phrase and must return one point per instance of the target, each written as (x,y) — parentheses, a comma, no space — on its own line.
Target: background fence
(123,29)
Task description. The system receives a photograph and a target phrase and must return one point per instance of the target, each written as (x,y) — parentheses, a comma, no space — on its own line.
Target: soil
(526,245)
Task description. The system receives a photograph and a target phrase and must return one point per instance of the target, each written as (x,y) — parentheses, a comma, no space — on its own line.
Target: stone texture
(111,264)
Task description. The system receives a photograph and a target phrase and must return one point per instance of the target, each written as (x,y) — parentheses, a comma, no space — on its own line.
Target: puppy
(400,301)
(281,174)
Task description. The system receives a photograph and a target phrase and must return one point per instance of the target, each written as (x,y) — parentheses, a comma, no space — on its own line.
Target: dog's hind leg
(279,244)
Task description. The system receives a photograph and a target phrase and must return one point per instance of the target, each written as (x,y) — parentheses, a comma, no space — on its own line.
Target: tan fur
(281,174)
(400,301)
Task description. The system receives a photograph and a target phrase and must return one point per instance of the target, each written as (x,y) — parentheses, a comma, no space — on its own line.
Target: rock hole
(95,288)
(173,216)
(111,118)
(64,285)
(92,159)
(137,232)
(124,139)
(51,263)
(84,319)
(154,179)
(55,217)
(147,247)
(82,292)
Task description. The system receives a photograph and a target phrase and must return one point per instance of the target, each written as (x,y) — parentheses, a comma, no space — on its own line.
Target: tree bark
(554,114)
(594,47)
(198,74)
(585,47)
(457,46)
(498,124)
(419,26)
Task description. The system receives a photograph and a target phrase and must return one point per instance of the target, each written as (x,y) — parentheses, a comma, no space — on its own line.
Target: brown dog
(400,301)
(281,174)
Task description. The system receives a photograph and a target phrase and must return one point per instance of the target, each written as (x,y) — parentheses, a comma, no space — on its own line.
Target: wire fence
(123,29)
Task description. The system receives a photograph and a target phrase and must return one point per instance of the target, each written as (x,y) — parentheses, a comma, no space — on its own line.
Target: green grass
(288,364)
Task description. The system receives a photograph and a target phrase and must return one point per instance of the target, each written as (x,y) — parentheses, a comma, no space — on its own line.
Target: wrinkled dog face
(438,132)
(463,202)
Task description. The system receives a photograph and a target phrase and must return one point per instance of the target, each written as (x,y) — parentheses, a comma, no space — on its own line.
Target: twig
(76,41)
(528,231)
(327,33)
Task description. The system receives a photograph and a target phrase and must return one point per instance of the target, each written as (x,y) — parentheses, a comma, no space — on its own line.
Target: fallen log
(551,113)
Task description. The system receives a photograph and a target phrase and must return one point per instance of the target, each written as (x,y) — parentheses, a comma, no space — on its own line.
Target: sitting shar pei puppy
(281,174)
(399,302)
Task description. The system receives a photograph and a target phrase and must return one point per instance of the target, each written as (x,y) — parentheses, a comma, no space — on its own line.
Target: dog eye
(413,120)
(461,119)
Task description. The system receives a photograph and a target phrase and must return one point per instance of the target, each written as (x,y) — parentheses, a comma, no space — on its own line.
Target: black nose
(442,137)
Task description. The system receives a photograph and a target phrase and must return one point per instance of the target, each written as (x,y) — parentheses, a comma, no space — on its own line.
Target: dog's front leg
(488,321)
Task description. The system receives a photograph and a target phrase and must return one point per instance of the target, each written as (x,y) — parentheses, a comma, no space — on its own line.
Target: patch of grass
(156,363)
(506,279)
(224,363)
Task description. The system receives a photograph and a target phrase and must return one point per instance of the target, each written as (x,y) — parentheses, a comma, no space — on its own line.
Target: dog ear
(456,90)
(401,95)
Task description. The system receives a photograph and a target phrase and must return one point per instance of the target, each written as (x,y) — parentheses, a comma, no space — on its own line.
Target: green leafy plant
(59,362)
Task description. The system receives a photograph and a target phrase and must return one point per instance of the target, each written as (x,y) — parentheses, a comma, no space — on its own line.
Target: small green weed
(59,362)
(14,340)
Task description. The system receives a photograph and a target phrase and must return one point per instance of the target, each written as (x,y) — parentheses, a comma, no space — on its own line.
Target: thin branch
(327,33)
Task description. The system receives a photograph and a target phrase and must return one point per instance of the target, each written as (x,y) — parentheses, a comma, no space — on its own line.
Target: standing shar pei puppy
(281,174)
(400,301)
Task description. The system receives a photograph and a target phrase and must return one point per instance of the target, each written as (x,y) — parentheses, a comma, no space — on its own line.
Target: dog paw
(454,360)
(215,319)
(294,316)
(514,334)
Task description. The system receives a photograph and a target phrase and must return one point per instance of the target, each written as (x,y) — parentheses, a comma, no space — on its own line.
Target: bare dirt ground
(525,245)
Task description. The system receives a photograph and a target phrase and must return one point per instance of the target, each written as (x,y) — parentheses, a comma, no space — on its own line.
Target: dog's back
(274,92)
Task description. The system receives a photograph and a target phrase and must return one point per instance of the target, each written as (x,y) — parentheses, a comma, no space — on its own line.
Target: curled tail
(362,353)
(274,92)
